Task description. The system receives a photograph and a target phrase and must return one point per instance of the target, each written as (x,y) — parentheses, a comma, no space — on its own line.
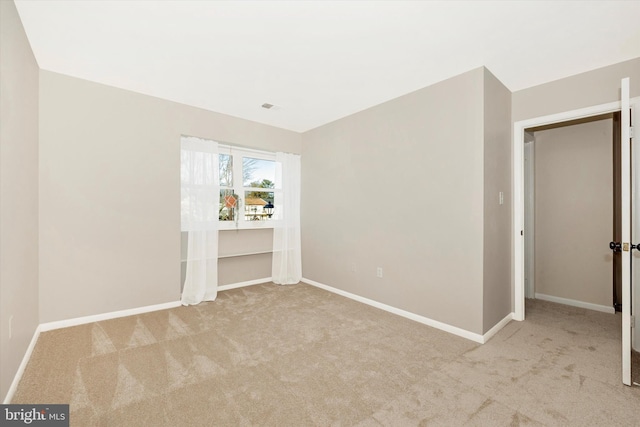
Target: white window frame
(238,153)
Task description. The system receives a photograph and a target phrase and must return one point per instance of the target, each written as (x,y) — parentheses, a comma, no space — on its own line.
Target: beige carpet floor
(298,356)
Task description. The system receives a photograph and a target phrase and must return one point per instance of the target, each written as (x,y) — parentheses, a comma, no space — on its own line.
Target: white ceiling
(320,61)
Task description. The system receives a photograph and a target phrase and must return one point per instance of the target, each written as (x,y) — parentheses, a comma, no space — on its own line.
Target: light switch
(501,198)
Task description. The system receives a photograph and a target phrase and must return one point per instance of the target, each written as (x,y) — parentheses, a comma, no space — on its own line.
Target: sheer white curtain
(200,191)
(286,267)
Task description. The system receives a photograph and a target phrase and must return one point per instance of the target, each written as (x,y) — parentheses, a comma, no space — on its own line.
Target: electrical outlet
(352,267)
(379,272)
(10,326)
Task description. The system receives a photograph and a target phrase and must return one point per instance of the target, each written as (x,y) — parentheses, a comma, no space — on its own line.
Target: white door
(635,235)
(627,246)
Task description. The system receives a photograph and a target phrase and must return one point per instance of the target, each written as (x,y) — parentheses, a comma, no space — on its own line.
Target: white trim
(243,284)
(625,191)
(529,206)
(635,199)
(580,113)
(518,186)
(23,365)
(501,324)
(416,317)
(247,225)
(576,303)
(106,316)
(518,220)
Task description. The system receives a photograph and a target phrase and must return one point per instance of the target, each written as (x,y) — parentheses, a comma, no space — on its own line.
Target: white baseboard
(133,311)
(49,326)
(501,324)
(243,284)
(22,367)
(416,317)
(576,303)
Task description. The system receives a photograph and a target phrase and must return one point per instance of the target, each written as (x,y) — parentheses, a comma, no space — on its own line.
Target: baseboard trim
(49,326)
(23,365)
(501,324)
(133,311)
(576,303)
(407,314)
(243,284)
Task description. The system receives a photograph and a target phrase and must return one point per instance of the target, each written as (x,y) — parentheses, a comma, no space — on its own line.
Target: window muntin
(226,170)
(247,188)
(228,205)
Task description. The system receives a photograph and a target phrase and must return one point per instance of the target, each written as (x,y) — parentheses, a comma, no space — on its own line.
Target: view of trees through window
(257,177)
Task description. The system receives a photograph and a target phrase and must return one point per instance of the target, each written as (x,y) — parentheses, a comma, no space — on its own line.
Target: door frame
(518,202)
(529,211)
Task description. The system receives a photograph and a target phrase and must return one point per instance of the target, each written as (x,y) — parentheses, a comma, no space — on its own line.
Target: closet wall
(574,212)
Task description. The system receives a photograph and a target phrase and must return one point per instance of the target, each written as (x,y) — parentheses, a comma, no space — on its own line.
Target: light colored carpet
(298,355)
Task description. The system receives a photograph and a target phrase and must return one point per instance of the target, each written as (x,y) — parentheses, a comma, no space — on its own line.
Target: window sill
(247,225)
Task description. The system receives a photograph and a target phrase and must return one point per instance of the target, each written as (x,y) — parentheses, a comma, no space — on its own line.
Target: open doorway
(631,294)
(571,201)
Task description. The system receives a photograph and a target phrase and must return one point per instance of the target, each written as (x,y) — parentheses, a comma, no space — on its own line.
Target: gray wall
(18,193)
(583,90)
(110,192)
(497,218)
(400,186)
(574,212)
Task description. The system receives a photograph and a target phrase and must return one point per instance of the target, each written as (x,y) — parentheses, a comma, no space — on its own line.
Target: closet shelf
(244,254)
(238,255)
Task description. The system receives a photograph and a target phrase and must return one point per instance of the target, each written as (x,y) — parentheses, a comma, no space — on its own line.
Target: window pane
(258,173)
(258,205)
(226,170)
(228,205)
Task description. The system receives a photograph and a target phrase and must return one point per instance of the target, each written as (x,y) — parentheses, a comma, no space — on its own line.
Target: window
(248,187)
